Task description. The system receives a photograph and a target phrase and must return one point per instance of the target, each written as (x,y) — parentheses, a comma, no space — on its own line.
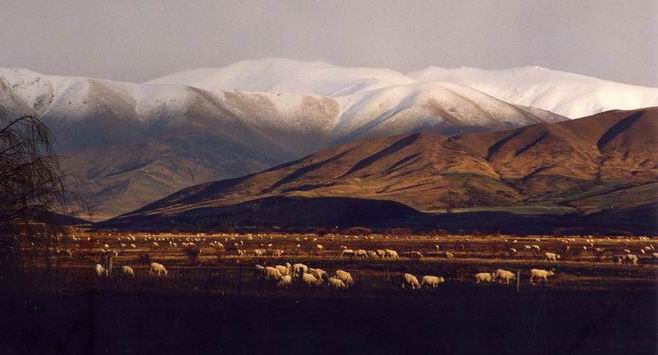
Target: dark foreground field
(471,321)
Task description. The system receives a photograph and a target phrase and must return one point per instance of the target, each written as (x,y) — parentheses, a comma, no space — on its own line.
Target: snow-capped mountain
(567,94)
(132,143)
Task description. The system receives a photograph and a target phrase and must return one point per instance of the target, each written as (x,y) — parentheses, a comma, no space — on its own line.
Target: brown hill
(599,165)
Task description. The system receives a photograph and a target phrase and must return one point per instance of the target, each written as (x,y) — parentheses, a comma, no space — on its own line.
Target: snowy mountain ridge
(568,94)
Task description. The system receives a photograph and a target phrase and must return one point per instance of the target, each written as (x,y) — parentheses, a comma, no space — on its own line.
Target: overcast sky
(138,40)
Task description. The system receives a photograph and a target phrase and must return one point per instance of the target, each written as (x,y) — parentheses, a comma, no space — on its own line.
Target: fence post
(518,280)
(109,264)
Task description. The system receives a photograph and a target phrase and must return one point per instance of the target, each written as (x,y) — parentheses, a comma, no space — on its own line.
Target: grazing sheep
(311,280)
(347,252)
(504,276)
(432,281)
(655,255)
(132,245)
(360,253)
(535,247)
(416,255)
(513,251)
(345,276)
(127,271)
(158,269)
(277,252)
(540,274)
(381,253)
(259,271)
(390,253)
(272,273)
(299,269)
(631,259)
(284,281)
(483,277)
(410,280)
(259,252)
(372,254)
(283,270)
(552,256)
(318,273)
(448,255)
(337,283)
(100,270)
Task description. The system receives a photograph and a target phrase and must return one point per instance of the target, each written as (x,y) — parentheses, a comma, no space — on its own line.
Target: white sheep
(416,255)
(259,271)
(432,281)
(390,253)
(483,277)
(318,273)
(504,276)
(284,281)
(283,270)
(100,270)
(158,269)
(345,276)
(310,280)
(410,280)
(272,273)
(127,271)
(347,252)
(299,269)
(361,253)
(631,259)
(552,256)
(337,283)
(540,274)
(381,253)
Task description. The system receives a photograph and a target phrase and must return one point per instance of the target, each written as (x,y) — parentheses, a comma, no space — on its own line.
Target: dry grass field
(220,261)
(216,303)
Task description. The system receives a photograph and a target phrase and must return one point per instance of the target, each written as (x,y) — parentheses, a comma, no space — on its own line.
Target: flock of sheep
(156,269)
(285,275)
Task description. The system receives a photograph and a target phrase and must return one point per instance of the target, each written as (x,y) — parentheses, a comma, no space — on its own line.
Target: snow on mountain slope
(282,75)
(567,94)
(446,107)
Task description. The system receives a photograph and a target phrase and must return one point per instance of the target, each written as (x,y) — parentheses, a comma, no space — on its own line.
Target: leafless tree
(31,180)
